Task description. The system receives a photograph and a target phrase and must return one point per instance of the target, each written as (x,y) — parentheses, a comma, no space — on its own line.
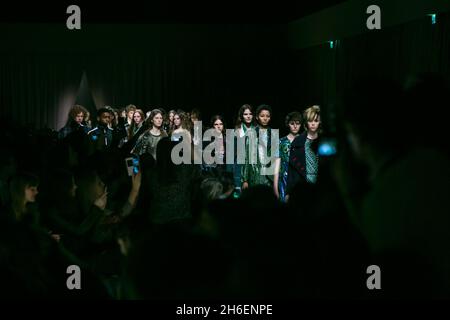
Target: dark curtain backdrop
(213,68)
(213,81)
(321,74)
(37,90)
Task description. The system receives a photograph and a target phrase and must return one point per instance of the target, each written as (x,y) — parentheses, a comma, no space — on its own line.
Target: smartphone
(237,193)
(129,164)
(327,147)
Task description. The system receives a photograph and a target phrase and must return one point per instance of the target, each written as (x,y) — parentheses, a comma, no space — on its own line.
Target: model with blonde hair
(304,157)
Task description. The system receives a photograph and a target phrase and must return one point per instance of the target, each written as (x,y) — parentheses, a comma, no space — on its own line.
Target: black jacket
(297,160)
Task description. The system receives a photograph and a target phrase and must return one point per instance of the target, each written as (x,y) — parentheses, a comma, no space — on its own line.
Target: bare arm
(276,177)
(134,192)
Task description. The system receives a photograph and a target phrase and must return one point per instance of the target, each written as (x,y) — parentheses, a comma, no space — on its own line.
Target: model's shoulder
(92,130)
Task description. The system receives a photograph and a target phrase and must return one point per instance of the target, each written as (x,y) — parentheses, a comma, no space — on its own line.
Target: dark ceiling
(188,11)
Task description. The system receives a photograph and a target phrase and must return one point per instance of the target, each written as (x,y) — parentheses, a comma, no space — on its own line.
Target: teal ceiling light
(433,18)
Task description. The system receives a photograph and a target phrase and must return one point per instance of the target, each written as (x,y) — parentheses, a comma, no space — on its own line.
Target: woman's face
(171,115)
(294,126)
(176,120)
(313,125)
(130,114)
(31,193)
(218,125)
(157,120)
(137,118)
(247,116)
(264,118)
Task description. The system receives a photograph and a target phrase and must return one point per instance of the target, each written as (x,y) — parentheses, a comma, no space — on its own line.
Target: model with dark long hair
(254,173)
(148,141)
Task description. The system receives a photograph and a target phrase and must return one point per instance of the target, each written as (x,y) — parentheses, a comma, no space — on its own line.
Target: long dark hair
(240,116)
(133,124)
(218,117)
(17,186)
(185,121)
(149,122)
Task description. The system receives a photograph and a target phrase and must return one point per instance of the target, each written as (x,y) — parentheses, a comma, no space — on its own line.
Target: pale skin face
(294,127)
(137,118)
(247,116)
(218,125)
(130,114)
(31,193)
(171,116)
(313,125)
(157,120)
(177,121)
(264,118)
(79,117)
